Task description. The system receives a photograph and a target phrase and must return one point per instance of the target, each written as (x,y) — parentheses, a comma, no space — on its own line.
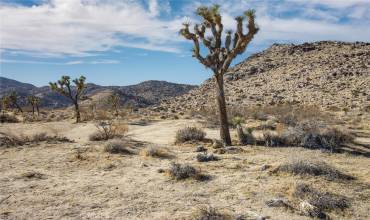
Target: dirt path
(163,132)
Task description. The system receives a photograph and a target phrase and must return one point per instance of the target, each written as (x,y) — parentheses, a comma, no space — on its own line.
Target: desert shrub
(7,118)
(312,135)
(317,136)
(181,172)
(313,168)
(210,213)
(204,157)
(324,201)
(108,130)
(116,147)
(155,152)
(190,134)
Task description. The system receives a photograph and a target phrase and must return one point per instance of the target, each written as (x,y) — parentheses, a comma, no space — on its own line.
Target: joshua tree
(113,100)
(13,98)
(34,101)
(220,54)
(63,86)
(5,102)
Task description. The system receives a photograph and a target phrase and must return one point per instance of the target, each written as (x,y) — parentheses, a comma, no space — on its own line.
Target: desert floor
(99,185)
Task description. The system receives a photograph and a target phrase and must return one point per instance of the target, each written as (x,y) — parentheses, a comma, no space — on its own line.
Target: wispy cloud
(74,62)
(83,28)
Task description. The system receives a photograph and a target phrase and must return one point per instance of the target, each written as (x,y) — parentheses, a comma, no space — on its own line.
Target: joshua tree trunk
(224,130)
(77,112)
(38,111)
(33,110)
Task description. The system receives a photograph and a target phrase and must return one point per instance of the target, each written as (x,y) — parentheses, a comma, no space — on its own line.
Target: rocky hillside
(141,95)
(333,75)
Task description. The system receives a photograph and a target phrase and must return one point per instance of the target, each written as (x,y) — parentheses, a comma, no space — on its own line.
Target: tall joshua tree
(34,101)
(64,87)
(13,98)
(220,54)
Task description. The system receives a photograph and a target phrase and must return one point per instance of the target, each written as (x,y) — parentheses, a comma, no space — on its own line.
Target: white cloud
(88,27)
(78,27)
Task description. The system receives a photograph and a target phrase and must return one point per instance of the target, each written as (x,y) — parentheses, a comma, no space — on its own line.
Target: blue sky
(122,42)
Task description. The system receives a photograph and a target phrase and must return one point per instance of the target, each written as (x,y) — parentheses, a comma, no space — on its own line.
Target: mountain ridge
(142,94)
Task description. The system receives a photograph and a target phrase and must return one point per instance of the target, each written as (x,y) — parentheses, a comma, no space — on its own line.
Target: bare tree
(221,54)
(64,87)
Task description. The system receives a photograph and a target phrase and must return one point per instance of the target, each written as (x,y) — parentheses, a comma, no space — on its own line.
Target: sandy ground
(106,186)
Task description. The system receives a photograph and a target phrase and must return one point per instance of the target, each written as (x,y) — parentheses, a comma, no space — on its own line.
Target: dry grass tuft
(156,152)
(32,175)
(181,172)
(190,134)
(210,213)
(324,201)
(304,167)
(117,147)
(204,157)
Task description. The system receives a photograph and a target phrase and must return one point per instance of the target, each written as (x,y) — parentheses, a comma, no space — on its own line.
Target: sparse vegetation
(181,172)
(220,57)
(64,87)
(190,134)
(312,168)
(117,147)
(10,140)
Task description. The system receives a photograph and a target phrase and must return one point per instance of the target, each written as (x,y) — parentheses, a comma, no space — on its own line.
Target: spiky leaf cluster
(33,100)
(64,87)
(220,53)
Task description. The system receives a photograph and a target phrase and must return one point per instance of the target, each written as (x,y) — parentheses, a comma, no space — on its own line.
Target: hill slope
(141,95)
(327,74)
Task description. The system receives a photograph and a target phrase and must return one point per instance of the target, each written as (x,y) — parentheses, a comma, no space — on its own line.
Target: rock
(265,167)
(216,144)
(310,210)
(276,202)
(200,148)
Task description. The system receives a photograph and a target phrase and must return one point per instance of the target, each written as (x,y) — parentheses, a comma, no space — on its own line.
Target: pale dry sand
(105,186)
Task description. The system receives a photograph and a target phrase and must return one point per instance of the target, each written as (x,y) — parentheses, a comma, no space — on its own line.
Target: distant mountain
(140,95)
(329,74)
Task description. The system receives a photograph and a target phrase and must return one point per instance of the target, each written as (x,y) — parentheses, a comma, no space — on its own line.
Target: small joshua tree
(113,100)
(13,98)
(220,55)
(5,102)
(34,101)
(64,87)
